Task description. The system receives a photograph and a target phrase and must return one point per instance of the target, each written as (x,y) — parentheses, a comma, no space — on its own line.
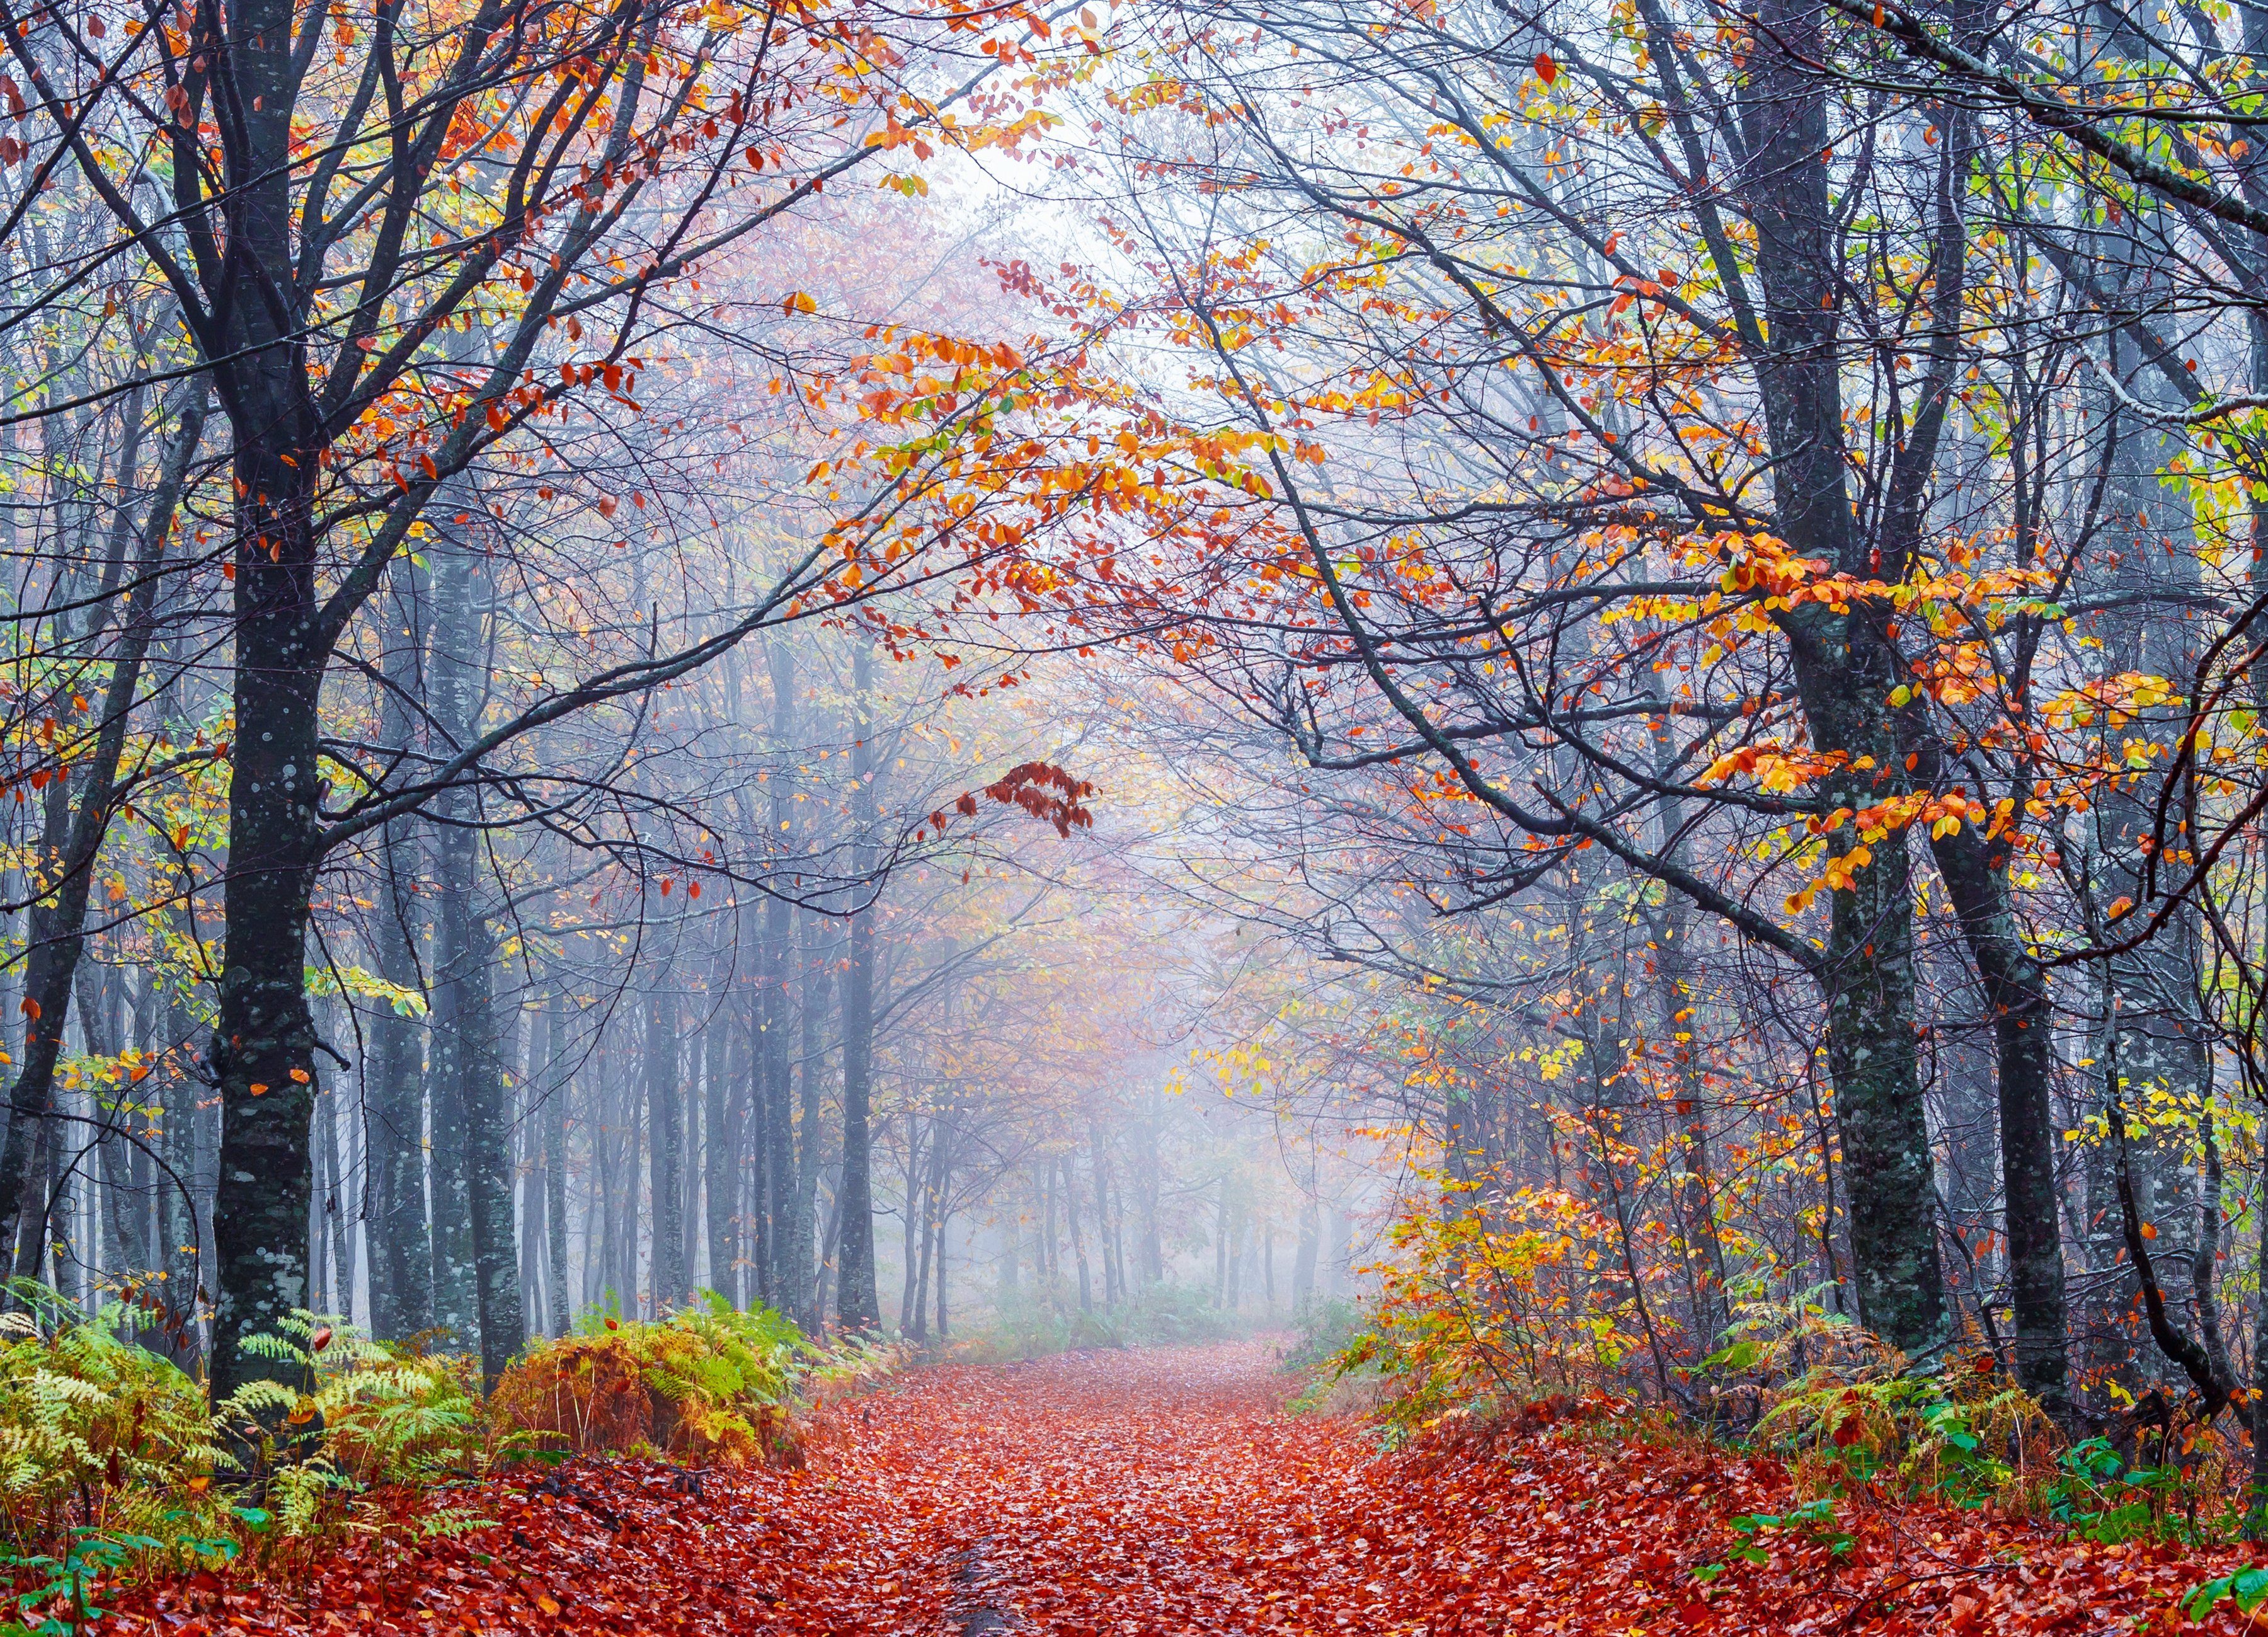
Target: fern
(96,1433)
(706,1383)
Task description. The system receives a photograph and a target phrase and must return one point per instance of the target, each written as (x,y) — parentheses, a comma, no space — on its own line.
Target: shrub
(707,1383)
(1847,1409)
(1325,1330)
(373,1413)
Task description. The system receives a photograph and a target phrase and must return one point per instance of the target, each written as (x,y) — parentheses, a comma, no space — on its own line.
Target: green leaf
(1740,1356)
(2248,1586)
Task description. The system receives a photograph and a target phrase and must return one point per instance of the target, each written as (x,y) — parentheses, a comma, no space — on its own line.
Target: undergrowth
(1334,1385)
(1846,1413)
(707,1383)
(112,1464)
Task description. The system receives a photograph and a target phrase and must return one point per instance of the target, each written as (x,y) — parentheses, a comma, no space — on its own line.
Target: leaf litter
(1169,1491)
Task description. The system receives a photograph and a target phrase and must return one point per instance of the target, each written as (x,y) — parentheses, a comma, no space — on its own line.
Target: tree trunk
(534,1164)
(2016,991)
(818,972)
(720,1176)
(1311,1234)
(1845,667)
(555,1166)
(394,1112)
(331,1214)
(661,1098)
(487,1101)
(263,1049)
(72,839)
(914,1223)
(1078,1239)
(461,1027)
(776,1090)
(857,1300)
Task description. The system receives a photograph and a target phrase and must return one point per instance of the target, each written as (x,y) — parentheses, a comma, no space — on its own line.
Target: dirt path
(1152,1491)
(1166,1491)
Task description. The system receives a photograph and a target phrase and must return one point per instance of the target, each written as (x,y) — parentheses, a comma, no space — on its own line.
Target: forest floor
(1168,1492)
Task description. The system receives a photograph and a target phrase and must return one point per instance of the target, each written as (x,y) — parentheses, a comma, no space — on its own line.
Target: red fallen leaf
(1168,1491)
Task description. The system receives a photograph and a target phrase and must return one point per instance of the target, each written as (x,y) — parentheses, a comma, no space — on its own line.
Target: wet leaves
(1166,1491)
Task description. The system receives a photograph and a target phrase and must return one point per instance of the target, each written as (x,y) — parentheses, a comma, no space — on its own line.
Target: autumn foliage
(705,1385)
(1171,1492)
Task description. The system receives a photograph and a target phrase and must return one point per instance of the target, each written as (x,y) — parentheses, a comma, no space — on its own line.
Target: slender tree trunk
(339,1289)
(1153,1247)
(555,1165)
(635,1212)
(181,1226)
(818,945)
(73,838)
(912,1222)
(1311,1233)
(857,1302)
(720,1174)
(661,1100)
(1078,1239)
(394,1112)
(462,1030)
(776,1089)
(535,1162)
(1845,666)
(2017,991)
(501,1318)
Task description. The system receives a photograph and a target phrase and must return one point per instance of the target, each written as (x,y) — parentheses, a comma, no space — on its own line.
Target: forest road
(1152,1490)
(1168,1492)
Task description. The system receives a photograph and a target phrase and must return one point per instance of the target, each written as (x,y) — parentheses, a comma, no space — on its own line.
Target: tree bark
(818,971)
(661,1113)
(263,1049)
(1845,668)
(394,1105)
(720,1174)
(857,1300)
(555,1165)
